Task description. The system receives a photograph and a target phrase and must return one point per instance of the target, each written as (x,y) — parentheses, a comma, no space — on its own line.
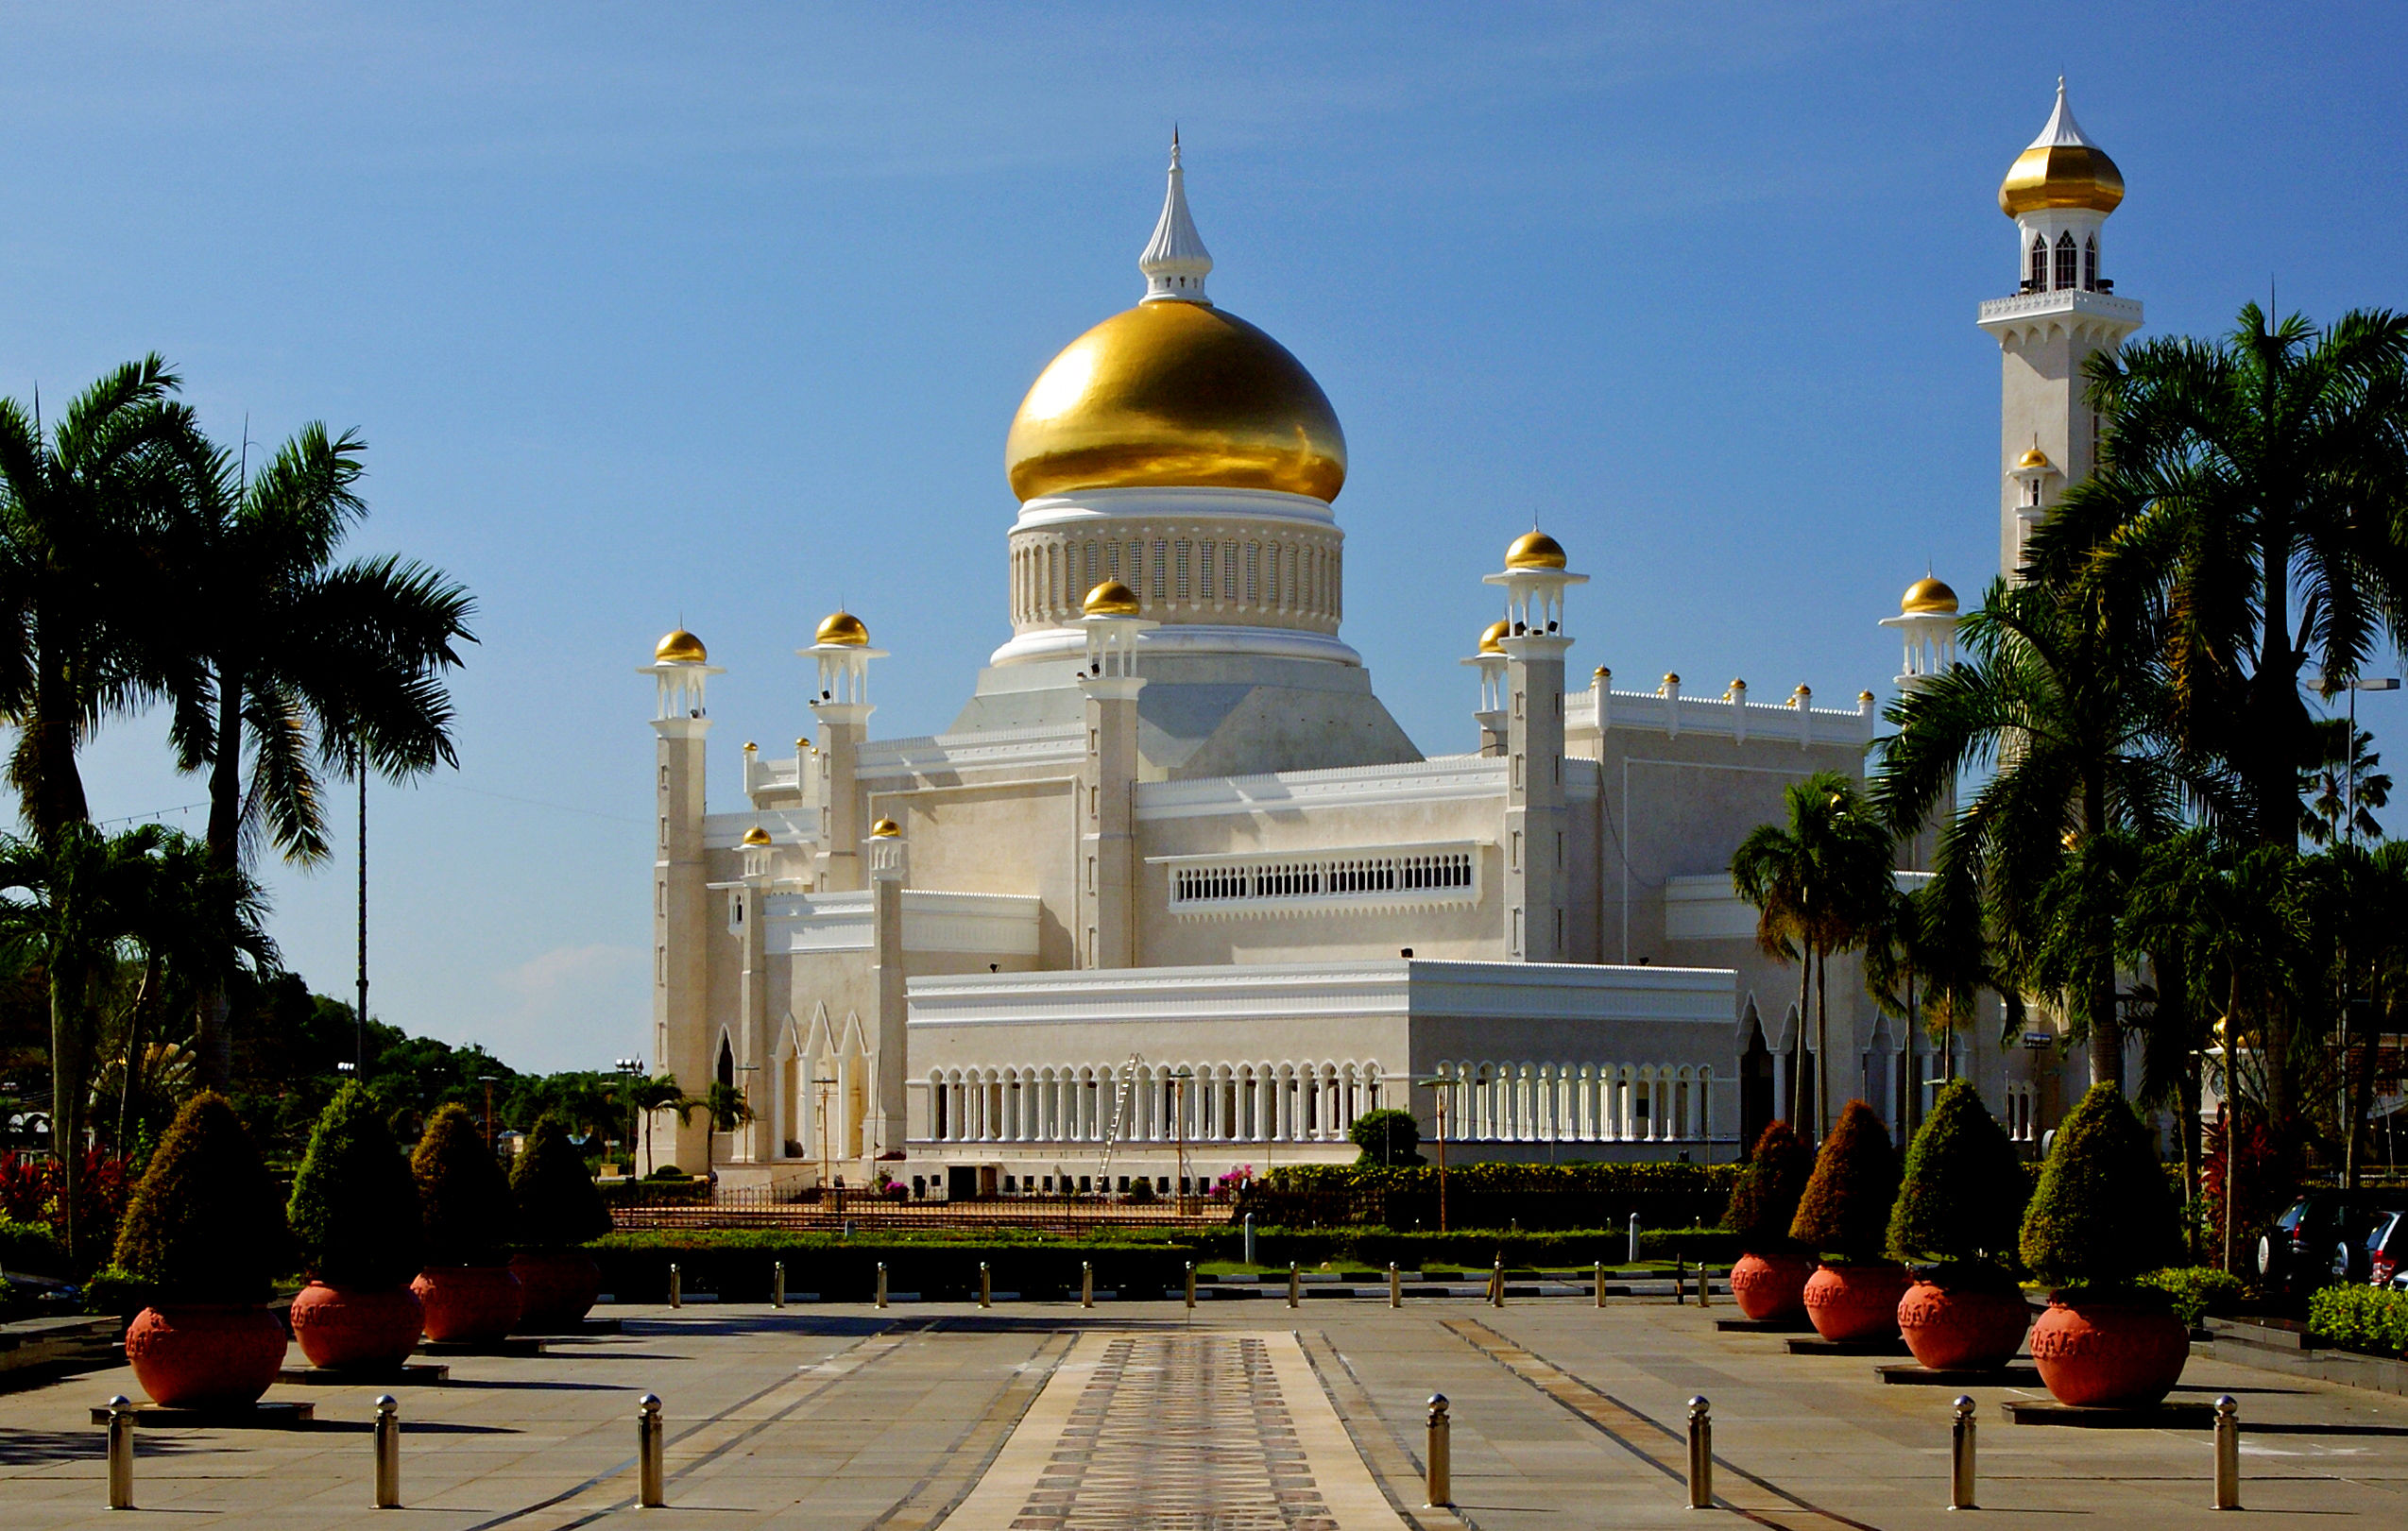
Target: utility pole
(359,768)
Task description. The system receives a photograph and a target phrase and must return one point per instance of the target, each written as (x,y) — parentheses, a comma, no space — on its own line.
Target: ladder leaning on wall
(1124,1080)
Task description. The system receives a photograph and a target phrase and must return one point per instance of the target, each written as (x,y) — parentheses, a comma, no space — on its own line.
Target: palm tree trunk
(1822,1047)
(66,1098)
(1798,1042)
(54,798)
(213,1037)
(133,1044)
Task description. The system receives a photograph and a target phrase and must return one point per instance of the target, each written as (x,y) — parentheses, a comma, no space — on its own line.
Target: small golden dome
(757,836)
(1111,599)
(1489,634)
(1534,549)
(1864,696)
(1671,679)
(803,743)
(751,748)
(1175,395)
(844,628)
(680,648)
(1738,685)
(1929,597)
(2034,458)
(886,829)
(2060,169)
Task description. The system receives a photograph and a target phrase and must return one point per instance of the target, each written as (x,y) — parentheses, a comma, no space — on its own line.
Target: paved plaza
(1246,1416)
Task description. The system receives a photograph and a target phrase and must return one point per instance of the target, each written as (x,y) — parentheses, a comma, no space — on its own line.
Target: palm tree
(2240,477)
(2341,787)
(648,1093)
(80,507)
(1928,963)
(276,654)
(2060,705)
(78,899)
(724,1109)
(200,924)
(1818,883)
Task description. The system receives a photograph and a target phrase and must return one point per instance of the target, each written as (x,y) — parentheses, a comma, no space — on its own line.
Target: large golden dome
(2061,168)
(1175,395)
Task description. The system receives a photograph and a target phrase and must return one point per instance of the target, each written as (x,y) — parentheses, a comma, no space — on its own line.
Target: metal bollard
(986,1285)
(1395,1286)
(1496,1284)
(1634,1239)
(1250,1239)
(2227,1453)
(1295,1283)
(1442,1477)
(389,1451)
(777,1284)
(677,1286)
(121,1454)
(882,1283)
(1191,1285)
(651,1490)
(1705,1286)
(1600,1284)
(1961,1444)
(1701,1454)
(1087,1284)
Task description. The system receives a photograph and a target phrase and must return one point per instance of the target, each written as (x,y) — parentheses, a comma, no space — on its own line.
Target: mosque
(1176,898)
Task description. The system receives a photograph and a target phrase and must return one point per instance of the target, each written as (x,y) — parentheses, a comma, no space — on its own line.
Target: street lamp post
(1438,1082)
(489,1080)
(2327,687)
(629,1068)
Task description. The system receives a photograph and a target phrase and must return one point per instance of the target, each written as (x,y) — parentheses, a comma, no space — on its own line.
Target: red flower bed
(29,1189)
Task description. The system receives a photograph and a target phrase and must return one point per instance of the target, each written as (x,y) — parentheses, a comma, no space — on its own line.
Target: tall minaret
(1107,931)
(680,897)
(1537,885)
(2059,191)
(842,707)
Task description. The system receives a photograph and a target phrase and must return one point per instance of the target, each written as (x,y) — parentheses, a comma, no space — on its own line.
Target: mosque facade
(1174,898)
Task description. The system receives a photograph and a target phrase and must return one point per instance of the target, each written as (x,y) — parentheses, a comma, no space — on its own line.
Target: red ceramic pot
(558,1285)
(467,1305)
(1848,1303)
(362,1328)
(205,1355)
(1774,1289)
(2126,1355)
(1958,1328)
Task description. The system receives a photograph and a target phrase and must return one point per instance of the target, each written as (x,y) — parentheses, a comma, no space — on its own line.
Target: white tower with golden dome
(2059,191)
(1537,827)
(1180,451)
(842,648)
(680,870)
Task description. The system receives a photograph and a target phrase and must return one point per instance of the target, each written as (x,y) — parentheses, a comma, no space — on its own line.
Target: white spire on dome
(1176,260)
(2061,130)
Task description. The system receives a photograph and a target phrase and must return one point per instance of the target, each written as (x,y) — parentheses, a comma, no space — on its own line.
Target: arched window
(727,1070)
(2038,280)
(2065,260)
(2090,264)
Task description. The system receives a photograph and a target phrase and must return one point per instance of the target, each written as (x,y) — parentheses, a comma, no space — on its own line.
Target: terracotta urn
(1856,1302)
(205,1355)
(557,1286)
(2109,1354)
(1774,1287)
(1963,1328)
(467,1305)
(357,1328)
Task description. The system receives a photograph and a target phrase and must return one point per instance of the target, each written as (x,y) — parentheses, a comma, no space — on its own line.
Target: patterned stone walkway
(1200,1431)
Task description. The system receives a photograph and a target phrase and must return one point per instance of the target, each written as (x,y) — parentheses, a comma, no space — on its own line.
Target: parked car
(2321,1238)
(2387,1251)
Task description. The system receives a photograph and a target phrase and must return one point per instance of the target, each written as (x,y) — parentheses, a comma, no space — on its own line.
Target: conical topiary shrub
(557,1201)
(1765,1200)
(559,1208)
(205,1233)
(1844,1217)
(1768,1280)
(354,1212)
(355,1208)
(464,1206)
(1959,1206)
(204,1225)
(2102,1218)
(1960,1201)
(464,1199)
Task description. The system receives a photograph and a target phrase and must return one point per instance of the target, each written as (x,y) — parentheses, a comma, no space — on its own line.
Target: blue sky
(650,311)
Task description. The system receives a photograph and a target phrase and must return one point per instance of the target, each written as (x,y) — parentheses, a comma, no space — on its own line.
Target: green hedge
(1542,1197)
(2360,1318)
(2196,1291)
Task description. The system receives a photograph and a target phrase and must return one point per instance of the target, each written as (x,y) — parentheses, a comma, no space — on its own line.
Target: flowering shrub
(29,1194)
(2360,1318)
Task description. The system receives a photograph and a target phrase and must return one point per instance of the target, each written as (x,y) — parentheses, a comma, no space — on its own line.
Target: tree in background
(82,502)
(1387,1136)
(1819,883)
(276,654)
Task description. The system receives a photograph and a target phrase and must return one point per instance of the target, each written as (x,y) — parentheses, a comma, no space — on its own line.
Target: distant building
(1175,897)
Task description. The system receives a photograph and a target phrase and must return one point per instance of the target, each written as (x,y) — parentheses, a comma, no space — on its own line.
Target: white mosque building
(1175,897)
